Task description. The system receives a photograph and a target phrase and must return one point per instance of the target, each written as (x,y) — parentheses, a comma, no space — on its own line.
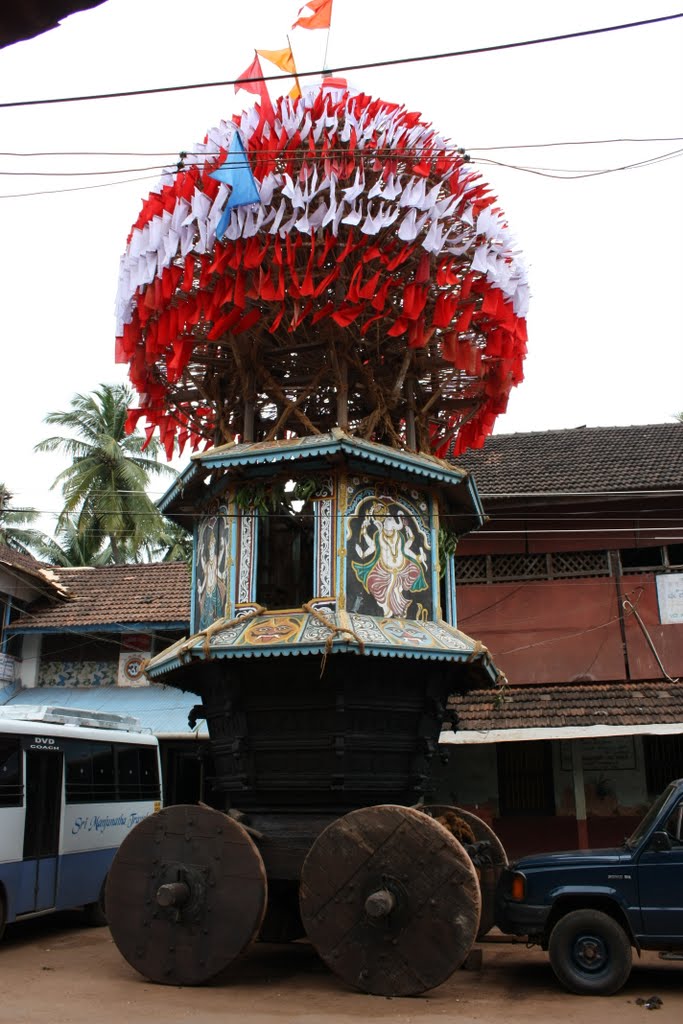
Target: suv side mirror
(660,841)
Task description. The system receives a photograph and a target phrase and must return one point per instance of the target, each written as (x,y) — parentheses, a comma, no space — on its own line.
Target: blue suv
(589,908)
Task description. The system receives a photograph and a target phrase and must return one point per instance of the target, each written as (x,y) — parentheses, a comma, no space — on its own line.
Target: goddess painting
(390,568)
(211,569)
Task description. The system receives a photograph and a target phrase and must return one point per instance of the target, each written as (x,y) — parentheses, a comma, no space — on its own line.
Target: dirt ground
(54,970)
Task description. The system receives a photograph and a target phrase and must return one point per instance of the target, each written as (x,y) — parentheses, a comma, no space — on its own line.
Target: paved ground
(54,971)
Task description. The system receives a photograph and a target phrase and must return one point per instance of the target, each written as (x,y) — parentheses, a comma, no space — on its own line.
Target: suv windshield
(645,824)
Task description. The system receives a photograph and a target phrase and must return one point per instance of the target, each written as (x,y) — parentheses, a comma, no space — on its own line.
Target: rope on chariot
(477,651)
(225,624)
(334,632)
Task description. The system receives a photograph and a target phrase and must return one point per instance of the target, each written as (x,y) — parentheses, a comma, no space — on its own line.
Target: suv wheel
(590,953)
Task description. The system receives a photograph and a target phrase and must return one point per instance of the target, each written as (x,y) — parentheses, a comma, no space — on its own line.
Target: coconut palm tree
(16,530)
(105,487)
(70,548)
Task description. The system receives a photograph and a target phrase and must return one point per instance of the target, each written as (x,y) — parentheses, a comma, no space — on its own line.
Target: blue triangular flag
(236,172)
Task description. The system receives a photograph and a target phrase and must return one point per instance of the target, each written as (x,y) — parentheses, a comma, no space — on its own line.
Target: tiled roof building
(113,595)
(581,460)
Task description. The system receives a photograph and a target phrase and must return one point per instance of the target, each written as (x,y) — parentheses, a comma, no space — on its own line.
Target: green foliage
(305,489)
(272,495)
(266,496)
(16,529)
(107,514)
(448,543)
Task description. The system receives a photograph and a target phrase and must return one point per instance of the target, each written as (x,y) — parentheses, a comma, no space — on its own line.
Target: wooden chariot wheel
(492,862)
(186,894)
(390,900)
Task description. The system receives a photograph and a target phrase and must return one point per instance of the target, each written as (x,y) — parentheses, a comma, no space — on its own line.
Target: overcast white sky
(604,253)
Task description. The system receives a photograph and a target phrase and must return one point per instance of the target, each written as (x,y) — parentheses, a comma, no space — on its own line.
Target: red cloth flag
(258,88)
(321,17)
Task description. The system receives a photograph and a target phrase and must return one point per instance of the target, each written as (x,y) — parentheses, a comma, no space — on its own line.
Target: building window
(663,761)
(10,610)
(525,778)
(639,559)
(675,553)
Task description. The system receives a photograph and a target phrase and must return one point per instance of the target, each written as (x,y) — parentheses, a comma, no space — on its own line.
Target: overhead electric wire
(368,153)
(560,176)
(80,174)
(77,188)
(571,175)
(347,67)
(473,149)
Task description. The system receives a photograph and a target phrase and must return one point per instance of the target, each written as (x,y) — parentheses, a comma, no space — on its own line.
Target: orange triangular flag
(283,59)
(321,17)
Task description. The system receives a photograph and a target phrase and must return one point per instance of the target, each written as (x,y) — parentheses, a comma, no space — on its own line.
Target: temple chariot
(327,350)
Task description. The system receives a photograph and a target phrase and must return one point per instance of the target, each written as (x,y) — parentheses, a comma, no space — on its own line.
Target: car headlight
(517,886)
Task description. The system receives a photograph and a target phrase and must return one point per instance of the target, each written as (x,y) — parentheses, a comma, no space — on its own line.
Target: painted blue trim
(178,486)
(320,447)
(350,647)
(451,599)
(7,604)
(193,584)
(361,452)
(476,500)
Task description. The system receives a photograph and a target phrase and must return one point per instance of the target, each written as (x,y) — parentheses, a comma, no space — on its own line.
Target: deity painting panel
(212,567)
(389,555)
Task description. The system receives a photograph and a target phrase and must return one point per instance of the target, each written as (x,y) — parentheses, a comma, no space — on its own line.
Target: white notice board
(670,597)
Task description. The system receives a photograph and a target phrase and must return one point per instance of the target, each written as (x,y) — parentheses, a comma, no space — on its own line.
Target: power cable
(347,67)
(558,176)
(479,149)
(567,175)
(368,154)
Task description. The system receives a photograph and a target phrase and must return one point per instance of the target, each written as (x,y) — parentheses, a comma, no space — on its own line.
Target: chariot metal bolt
(173,894)
(380,903)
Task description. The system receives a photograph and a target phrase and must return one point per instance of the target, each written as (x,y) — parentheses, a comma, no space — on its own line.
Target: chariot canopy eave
(322,452)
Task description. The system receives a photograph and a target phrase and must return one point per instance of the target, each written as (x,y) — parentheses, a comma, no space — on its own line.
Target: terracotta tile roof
(583,459)
(583,704)
(45,576)
(154,593)
(25,20)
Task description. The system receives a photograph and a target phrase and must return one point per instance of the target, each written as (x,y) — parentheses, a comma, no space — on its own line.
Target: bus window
(138,775)
(149,774)
(103,780)
(128,764)
(79,778)
(11,789)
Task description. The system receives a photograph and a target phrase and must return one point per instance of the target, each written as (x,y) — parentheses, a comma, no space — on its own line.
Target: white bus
(73,784)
